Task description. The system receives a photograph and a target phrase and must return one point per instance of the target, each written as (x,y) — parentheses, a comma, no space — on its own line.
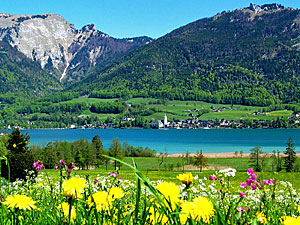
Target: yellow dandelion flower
(200,209)
(169,190)
(186,178)
(74,187)
(14,145)
(261,218)
(102,200)
(116,193)
(19,202)
(288,220)
(65,208)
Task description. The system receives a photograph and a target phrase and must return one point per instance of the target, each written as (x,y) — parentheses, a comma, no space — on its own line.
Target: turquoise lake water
(179,141)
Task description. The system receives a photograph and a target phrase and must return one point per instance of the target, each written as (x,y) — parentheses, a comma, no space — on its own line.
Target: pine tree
(255,158)
(290,159)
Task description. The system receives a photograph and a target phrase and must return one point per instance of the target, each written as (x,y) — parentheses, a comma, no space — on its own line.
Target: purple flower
(253,187)
(266,182)
(38,168)
(243,185)
(120,179)
(250,171)
(56,166)
(242,195)
(271,182)
(253,176)
(95,181)
(249,182)
(35,164)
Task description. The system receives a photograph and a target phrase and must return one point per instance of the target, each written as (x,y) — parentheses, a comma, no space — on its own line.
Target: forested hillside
(241,57)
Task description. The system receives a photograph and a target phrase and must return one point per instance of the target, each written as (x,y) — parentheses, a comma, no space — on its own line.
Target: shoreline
(224,155)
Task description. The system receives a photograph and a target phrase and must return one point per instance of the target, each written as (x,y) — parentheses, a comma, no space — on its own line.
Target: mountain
(65,52)
(20,77)
(246,56)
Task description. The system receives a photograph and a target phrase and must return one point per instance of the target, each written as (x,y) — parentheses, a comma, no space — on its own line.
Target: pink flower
(35,164)
(250,171)
(95,181)
(56,166)
(242,194)
(271,181)
(120,179)
(243,185)
(114,174)
(211,177)
(249,182)
(240,209)
(253,176)
(110,174)
(253,187)
(61,161)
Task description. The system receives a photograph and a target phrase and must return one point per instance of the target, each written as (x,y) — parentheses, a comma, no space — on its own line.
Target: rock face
(53,42)
(266,7)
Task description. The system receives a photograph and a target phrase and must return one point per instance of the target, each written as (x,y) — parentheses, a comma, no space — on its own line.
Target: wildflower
(242,194)
(249,182)
(116,193)
(200,209)
(240,209)
(65,208)
(38,165)
(288,220)
(56,166)
(169,190)
(186,178)
(211,177)
(230,172)
(253,176)
(14,145)
(101,199)
(243,185)
(250,171)
(261,218)
(20,202)
(120,179)
(95,181)
(61,161)
(253,187)
(114,174)
(74,187)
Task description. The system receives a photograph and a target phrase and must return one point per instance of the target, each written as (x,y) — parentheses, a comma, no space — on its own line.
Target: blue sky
(131,18)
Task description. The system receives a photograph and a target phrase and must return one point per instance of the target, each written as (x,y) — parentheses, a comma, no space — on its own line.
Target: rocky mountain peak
(53,42)
(265,8)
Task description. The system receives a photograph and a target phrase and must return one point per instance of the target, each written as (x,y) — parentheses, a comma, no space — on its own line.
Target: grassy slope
(179,110)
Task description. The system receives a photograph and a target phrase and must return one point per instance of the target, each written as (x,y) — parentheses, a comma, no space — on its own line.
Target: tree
(277,161)
(19,156)
(99,151)
(115,150)
(255,158)
(200,161)
(290,159)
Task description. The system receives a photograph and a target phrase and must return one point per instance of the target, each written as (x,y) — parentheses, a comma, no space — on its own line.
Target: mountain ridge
(53,42)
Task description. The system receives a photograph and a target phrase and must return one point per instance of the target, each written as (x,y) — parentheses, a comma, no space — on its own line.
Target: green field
(180,110)
(150,168)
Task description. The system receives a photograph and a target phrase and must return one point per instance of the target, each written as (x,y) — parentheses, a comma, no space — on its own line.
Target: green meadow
(181,110)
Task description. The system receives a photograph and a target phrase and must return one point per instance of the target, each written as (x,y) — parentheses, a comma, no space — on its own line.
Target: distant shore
(223,155)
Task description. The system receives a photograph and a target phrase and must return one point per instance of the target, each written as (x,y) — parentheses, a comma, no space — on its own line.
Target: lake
(178,141)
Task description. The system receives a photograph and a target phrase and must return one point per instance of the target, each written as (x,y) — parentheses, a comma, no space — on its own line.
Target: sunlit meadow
(112,199)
